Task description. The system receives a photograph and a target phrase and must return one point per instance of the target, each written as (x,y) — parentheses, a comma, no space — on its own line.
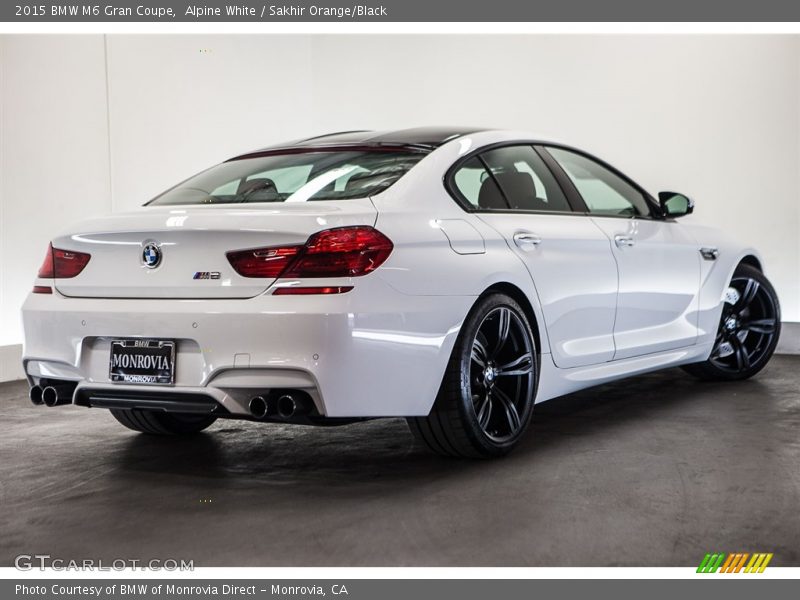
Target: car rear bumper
(370,352)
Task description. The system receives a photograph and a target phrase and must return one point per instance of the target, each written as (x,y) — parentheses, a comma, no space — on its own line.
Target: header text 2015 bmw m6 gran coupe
(450,276)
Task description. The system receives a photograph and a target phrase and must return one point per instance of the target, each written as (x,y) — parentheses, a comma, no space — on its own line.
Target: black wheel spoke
(750,290)
(485,411)
(503,328)
(510,410)
(742,356)
(479,356)
(719,339)
(765,326)
(522,365)
(718,362)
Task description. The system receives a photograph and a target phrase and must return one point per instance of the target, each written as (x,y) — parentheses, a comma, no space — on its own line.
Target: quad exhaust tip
(259,407)
(289,405)
(56,395)
(35,394)
(286,405)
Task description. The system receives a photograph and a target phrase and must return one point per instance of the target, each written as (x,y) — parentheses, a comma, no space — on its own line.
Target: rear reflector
(341,252)
(62,264)
(42,289)
(305,291)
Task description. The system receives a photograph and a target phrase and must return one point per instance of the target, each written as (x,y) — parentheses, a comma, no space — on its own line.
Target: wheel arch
(715,278)
(511,290)
(751,260)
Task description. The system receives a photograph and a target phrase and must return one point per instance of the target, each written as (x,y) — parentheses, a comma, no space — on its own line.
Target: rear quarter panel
(415,212)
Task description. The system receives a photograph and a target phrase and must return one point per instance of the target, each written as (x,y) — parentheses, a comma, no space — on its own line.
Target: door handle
(623,241)
(526,240)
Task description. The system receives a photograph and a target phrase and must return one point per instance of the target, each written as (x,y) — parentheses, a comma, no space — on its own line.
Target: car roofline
(419,139)
(353,147)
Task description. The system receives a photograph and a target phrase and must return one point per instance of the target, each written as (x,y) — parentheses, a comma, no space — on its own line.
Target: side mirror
(675,205)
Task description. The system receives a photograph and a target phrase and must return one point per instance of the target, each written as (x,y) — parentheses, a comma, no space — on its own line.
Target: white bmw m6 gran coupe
(453,277)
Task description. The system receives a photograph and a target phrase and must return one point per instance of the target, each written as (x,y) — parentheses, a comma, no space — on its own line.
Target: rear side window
(525,180)
(510,178)
(295,177)
(478,187)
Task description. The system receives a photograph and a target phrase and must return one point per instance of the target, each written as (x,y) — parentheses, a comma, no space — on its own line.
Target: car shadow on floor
(385,450)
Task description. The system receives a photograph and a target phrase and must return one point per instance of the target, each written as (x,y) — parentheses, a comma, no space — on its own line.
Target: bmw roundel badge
(151,255)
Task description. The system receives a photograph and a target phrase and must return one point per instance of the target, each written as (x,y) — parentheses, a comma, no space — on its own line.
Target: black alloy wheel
(748,331)
(501,373)
(485,402)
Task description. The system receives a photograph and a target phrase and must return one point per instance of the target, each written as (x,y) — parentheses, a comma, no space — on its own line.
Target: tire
(162,423)
(748,332)
(485,402)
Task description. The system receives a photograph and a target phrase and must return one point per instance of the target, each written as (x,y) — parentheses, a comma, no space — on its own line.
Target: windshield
(295,177)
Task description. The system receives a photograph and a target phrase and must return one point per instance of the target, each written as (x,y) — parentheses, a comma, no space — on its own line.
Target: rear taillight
(262,262)
(342,252)
(62,264)
(46,270)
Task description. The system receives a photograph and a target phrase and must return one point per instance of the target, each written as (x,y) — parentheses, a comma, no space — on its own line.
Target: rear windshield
(295,177)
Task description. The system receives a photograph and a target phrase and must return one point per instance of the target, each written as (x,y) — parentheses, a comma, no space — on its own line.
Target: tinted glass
(295,177)
(478,187)
(604,192)
(525,180)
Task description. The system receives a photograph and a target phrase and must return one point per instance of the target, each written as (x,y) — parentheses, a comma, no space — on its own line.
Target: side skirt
(554,382)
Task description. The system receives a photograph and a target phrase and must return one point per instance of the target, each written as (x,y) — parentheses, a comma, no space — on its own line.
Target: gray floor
(657,470)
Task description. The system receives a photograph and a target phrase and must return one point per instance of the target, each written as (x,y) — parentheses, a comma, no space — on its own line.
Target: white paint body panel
(576,282)
(659,281)
(191,239)
(382,348)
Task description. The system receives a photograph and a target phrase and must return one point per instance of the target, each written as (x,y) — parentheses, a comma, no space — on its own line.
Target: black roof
(421,137)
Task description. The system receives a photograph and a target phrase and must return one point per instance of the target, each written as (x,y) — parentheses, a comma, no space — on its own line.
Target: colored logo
(207,275)
(151,255)
(735,562)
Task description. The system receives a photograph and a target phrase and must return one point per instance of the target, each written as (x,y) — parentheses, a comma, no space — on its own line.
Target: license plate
(142,361)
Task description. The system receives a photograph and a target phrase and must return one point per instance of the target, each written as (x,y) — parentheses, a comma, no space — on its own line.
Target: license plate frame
(148,362)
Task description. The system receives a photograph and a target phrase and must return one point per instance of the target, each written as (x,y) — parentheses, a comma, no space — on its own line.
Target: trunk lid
(192,242)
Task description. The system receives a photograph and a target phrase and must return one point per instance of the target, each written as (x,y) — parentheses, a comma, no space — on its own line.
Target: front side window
(604,192)
(295,177)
